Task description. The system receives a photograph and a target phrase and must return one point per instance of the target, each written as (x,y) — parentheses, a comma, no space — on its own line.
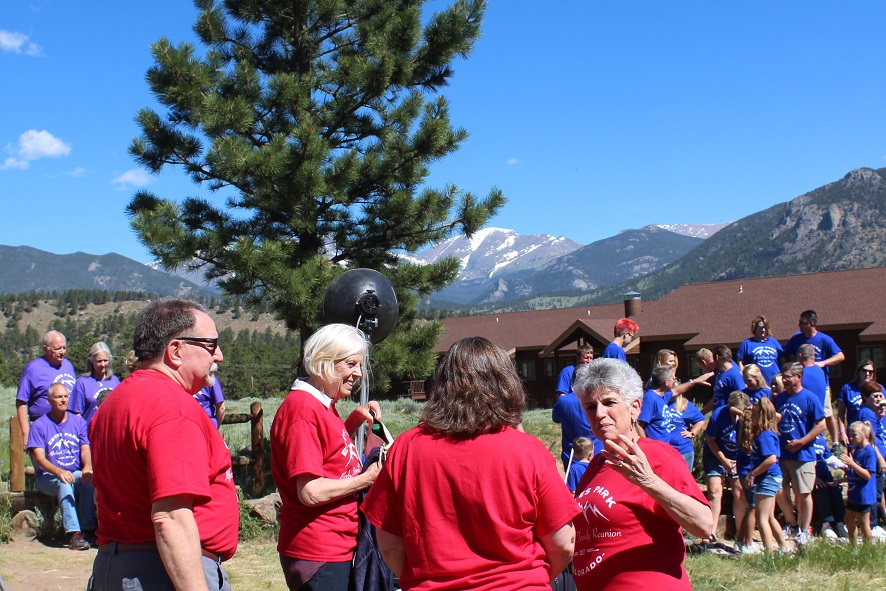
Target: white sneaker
(804,538)
(751,548)
(879,532)
(828,532)
(790,532)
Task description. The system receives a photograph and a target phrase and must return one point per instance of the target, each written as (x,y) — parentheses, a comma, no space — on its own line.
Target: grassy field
(822,567)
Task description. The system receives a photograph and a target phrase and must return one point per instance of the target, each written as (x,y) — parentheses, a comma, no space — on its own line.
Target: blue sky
(592,117)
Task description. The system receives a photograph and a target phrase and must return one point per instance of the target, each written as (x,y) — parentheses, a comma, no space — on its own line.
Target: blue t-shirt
(678,421)
(822,453)
(824,346)
(576,471)
(756,395)
(765,445)
(613,351)
(815,381)
(60,441)
(861,491)
(766,354)
(725,383)
(800,413)
(869,416)
(724,430)
(850,396)
(573,422)
(564,381)
(652,415)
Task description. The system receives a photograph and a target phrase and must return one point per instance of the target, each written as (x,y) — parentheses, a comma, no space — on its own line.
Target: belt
(150,546)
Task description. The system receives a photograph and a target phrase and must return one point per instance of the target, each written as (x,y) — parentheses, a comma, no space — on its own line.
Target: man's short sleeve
(178,460)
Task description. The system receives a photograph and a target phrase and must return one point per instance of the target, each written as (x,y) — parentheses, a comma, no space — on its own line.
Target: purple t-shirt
(84,398)
(60,441)
(209,398)
(37,376)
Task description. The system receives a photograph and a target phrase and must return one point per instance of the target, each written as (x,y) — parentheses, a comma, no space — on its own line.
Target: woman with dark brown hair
(465,500)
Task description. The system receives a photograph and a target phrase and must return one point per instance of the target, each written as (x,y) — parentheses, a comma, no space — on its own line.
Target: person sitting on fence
(584,451)
(59,447)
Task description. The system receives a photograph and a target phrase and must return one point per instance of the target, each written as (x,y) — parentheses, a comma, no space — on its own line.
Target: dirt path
(35,566)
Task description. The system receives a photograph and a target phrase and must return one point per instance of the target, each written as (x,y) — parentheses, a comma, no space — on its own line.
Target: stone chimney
(633,304)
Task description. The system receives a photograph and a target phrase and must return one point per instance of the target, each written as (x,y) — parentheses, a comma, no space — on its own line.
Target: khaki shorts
(828,408)
(802,474)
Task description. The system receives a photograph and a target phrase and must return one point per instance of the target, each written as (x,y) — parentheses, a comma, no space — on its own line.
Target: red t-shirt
(471,512)
(309,437)
(151,440)
(625,540)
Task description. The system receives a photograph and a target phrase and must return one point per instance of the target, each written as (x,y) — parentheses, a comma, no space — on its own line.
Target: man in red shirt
(167,507)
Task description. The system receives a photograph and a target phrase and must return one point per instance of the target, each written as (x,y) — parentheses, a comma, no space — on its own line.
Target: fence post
(258,448)
(16,456)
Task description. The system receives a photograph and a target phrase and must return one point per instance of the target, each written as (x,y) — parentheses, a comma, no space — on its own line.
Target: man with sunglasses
(167,507)
(827,353)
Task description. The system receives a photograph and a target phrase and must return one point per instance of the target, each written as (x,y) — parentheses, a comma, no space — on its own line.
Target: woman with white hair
(316,467)
(635,496)
(94,386)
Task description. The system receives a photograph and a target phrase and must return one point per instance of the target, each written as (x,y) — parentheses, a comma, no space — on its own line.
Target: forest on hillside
(257,362)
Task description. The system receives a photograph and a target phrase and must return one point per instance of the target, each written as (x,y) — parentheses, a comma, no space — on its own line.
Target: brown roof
(703,314)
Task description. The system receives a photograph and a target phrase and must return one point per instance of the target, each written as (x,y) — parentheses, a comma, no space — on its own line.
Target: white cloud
(513,161)
(16,42)
(33,145)
(134,178)
(14,163)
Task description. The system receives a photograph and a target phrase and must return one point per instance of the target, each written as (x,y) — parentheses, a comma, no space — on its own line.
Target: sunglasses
(213,343)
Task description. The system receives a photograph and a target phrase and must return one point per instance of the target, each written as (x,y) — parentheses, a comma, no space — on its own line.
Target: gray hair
(612,375)
(95,349)
(795,368)
(661,374)
(51,334)
(807,351)
(331,343)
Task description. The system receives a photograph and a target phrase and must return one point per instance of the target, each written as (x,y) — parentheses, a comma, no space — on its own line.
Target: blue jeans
(70,498)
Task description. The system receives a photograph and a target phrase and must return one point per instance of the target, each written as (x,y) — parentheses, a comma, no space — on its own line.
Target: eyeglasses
(213,343)
(867,371)
(760,327)
(804,323)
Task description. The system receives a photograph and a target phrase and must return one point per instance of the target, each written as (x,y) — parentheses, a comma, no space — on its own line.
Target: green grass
(822,566)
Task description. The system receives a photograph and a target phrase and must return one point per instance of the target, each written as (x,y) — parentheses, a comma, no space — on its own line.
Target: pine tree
(313,124)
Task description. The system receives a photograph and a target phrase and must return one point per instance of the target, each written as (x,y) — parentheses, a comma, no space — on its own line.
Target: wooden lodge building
(851,308)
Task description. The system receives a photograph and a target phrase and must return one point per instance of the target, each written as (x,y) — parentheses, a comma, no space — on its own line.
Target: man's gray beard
(210,377)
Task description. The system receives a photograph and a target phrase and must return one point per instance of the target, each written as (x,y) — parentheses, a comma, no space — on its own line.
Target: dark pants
(332,576)
(143,570)
(829,504)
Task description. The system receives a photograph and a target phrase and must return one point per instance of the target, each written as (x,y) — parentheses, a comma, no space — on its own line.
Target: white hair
(612,375)
(331,343)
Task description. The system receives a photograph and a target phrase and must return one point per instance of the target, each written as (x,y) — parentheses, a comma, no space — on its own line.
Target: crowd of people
(466,499)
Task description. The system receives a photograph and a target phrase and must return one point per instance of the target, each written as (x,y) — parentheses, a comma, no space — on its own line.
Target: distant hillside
(24,269)
(841,225)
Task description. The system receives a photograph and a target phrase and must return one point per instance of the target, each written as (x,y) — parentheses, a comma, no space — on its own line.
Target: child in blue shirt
(862,483)
(582,452)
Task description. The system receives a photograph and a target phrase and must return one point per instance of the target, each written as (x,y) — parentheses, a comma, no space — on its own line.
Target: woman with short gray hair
(93,386)
(635,496)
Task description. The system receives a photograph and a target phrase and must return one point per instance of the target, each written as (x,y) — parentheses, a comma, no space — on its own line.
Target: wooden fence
(20,498)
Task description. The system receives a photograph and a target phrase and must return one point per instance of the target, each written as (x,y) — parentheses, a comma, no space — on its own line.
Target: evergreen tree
(313,124)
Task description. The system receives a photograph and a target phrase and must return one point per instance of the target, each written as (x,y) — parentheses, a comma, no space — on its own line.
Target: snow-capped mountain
(491,252)
(694,230)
